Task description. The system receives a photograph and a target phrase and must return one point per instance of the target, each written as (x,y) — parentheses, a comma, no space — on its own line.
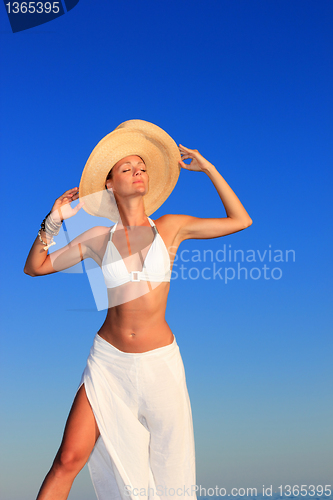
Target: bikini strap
(153,225)
(112,231)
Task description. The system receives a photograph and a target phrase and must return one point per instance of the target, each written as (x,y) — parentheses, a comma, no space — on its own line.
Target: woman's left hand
(198,162)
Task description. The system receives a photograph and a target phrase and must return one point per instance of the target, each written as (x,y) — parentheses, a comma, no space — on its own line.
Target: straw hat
(133,137)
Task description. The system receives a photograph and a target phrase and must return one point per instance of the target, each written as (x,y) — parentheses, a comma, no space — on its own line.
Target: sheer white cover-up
(142,409)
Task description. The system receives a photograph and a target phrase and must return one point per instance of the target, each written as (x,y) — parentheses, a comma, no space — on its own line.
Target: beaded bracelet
(42,226)
(46,246)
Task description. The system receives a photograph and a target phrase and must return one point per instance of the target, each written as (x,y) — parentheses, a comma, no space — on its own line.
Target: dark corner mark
(24,15)
(70,4)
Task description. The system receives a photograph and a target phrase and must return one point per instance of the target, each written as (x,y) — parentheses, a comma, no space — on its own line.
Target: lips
(136,182)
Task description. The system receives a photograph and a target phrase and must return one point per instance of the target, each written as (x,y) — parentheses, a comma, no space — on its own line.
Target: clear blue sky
(248,84)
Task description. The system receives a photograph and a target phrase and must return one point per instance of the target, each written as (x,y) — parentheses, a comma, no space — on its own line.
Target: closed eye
(128,170)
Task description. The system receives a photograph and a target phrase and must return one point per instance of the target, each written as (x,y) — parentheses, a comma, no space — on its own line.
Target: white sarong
(141,405)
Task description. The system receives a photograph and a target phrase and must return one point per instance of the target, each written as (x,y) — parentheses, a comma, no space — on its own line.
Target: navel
(132,334)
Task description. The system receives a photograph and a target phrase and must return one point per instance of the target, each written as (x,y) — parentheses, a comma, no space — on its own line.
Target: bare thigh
(81,432)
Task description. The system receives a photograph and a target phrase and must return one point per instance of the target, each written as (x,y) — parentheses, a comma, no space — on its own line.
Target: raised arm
(237,217)
(39,262)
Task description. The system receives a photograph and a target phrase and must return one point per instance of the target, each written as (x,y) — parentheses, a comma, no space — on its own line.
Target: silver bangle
(52,227)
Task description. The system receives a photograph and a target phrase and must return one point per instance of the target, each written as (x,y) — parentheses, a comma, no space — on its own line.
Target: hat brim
(134,137)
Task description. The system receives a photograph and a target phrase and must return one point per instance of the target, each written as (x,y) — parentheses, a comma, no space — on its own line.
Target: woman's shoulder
(168,221)
(170,224)
(170,218)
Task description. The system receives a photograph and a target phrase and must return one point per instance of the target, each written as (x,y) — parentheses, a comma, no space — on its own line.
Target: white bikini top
(156,266)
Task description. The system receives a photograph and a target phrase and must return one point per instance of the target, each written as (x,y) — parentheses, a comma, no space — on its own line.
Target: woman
(131,416)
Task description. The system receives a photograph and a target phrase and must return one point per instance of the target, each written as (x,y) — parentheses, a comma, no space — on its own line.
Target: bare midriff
(139,325)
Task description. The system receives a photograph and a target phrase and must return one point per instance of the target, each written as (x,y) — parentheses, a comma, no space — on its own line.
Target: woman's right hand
(62,209)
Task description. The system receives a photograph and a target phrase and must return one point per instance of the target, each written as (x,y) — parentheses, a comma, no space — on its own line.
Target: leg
(80,435)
